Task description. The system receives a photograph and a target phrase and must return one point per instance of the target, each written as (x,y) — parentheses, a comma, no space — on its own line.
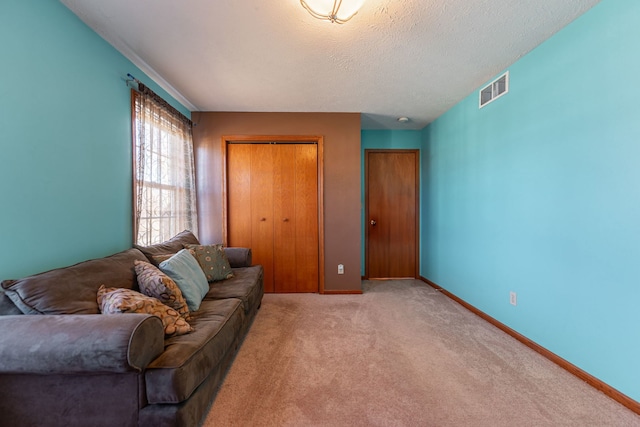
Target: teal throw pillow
(186,272)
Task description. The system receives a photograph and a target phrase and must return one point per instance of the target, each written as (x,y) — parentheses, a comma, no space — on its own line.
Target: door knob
(263,219)
(285,219)
(373,222)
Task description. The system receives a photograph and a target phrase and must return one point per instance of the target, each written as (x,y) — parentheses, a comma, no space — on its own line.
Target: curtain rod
(142,88)
(131,78)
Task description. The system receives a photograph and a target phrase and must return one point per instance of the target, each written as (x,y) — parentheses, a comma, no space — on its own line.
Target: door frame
(366,206)
(279,139)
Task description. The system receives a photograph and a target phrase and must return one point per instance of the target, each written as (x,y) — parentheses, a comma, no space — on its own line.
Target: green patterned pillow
(213,261)
(121,300)
(154,283)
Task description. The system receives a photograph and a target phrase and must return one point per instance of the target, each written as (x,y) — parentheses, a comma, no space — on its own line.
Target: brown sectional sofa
(64,364)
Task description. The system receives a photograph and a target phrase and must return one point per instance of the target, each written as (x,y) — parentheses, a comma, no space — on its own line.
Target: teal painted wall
(538,193)
(65,140)
(383,140)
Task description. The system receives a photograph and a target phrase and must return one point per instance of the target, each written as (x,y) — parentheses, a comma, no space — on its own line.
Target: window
(164,179)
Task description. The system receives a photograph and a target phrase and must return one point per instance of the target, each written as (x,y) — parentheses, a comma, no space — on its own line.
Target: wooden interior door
(391,213)
(250,203)
(272,202)
(239,195)
(284,236)
(261,208)
(306,213)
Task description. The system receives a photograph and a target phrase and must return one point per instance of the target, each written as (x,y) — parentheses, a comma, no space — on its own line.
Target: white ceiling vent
(494,90)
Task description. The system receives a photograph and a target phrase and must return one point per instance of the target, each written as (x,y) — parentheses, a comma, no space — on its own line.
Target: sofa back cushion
(162,251)
(72,290)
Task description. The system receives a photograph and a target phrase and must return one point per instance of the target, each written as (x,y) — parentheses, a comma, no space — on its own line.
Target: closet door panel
(239,195)
(261,208)
(284,229)
(272,193)
(306,213)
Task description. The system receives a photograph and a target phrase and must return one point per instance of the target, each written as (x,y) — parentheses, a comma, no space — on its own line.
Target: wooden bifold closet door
(272,192)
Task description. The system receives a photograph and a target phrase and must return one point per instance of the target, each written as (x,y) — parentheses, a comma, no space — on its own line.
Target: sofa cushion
(185,271)
(119,300)
(171,246)
(189,359)
(154,283)
(72,290)
(213,261)
(157,259)
(243,285)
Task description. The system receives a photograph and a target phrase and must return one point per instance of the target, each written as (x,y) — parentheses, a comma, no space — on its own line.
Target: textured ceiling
(413,58)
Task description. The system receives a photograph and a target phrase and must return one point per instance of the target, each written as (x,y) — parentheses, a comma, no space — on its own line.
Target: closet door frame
(277,139)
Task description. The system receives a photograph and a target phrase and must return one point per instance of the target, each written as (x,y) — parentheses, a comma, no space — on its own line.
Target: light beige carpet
(401,354)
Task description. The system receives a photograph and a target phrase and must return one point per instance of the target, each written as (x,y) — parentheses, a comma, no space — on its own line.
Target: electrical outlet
(340,269)
(513,298)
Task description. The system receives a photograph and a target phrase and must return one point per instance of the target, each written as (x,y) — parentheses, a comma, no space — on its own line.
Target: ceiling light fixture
(403,119)
(335,11)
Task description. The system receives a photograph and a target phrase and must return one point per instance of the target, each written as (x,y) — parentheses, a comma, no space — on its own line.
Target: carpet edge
(594,382)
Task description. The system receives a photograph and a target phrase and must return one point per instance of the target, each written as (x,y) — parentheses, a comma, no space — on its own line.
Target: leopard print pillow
(154,283)
(121,300)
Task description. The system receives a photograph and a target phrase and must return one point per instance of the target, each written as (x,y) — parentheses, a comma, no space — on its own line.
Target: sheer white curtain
(164,172)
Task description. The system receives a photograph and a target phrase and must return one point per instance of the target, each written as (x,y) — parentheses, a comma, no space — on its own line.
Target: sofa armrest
(238,257)
(62,344)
